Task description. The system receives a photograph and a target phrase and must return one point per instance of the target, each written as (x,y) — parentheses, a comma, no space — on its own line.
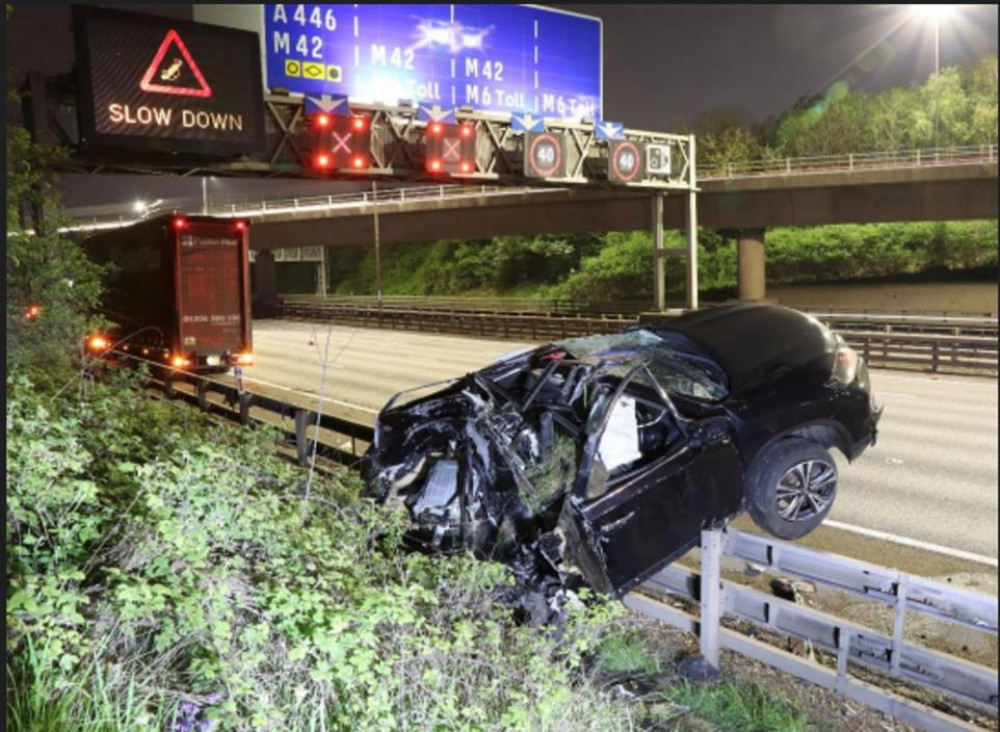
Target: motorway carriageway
(924,500)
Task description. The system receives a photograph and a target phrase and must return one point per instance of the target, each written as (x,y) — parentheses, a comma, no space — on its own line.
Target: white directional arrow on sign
(435,113)
(605,130)
(527,123)
(324,103)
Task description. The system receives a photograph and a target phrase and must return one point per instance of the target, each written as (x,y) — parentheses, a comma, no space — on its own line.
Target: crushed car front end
(571,462)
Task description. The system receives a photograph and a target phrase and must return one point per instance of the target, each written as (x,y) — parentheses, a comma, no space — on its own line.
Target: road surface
(932,478)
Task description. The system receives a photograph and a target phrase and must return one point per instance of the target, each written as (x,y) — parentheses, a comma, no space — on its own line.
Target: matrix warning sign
(165,84)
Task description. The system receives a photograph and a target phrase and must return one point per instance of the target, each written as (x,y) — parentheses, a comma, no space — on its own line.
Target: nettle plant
(164,573)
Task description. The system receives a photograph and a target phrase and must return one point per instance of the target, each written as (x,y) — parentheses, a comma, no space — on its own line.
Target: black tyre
(791,487)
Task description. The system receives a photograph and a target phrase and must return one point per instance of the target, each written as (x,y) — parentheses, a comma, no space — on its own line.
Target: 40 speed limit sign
(544,155)
(625,161)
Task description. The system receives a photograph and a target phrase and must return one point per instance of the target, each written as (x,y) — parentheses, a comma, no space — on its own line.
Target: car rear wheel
(791,488)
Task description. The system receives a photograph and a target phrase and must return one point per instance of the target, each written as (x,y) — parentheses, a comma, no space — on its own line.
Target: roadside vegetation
(955,107)
(615,266)
(169,573)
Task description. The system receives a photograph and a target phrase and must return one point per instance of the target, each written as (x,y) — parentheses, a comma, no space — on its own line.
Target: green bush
(162,566)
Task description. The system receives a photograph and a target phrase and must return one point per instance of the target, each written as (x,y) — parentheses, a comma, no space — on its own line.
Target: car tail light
(244,359)
(845,368)
(32,312)
(180,222)
(180,361)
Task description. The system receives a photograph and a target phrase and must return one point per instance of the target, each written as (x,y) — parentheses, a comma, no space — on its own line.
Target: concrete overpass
(748,205)
(746,199)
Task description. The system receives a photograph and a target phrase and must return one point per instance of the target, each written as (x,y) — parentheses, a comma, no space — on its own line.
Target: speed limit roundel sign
(544,156)
(625,163)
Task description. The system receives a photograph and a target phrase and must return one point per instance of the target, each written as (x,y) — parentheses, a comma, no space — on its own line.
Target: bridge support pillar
(750,264)
(659,276)
(321,273)
(266,277)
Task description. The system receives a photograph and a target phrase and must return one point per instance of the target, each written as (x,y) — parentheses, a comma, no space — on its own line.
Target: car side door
(634,521)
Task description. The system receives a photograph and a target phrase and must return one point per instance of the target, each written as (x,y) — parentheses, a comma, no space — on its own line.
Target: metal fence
(849,162)
(912,342)
(845,644)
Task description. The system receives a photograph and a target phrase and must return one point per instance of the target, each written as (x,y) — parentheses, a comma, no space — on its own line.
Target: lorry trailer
(178,291)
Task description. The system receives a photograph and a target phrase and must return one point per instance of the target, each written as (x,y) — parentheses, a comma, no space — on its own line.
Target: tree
(982,90)
(945,110)
(52,288)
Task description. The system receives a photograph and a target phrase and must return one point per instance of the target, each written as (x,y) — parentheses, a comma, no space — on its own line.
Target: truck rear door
(210,290)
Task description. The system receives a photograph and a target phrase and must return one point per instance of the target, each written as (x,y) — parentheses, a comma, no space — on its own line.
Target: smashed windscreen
(672,359)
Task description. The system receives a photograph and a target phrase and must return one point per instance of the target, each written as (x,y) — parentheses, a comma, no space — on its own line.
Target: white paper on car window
(620,442)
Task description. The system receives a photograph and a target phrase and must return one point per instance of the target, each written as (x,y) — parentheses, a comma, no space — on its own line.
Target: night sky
(661,63)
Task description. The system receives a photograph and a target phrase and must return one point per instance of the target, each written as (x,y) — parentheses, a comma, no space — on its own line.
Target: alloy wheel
(806,490)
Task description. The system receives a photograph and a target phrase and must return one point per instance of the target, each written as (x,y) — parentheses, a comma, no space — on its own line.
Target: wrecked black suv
(596,461)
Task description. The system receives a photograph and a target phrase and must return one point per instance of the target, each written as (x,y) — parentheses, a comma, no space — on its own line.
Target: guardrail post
(301,443)
(843,653)
(168,383)
(202,394)
(850,161)
(897,626)
(711,595)
(246,400)
(788,165)
(935,357)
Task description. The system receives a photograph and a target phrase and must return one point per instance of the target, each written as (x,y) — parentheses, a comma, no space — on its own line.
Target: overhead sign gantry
(147,84)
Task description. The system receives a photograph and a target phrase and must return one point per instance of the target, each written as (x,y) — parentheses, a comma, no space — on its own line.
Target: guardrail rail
(847,644)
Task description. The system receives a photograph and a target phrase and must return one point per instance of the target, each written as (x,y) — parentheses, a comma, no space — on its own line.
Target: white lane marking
(352,405)
(915,543)
(896,394)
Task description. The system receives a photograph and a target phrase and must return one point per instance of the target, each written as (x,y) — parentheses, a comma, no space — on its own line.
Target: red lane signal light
(338,141)
(180,222)
(241,225)
(451,148)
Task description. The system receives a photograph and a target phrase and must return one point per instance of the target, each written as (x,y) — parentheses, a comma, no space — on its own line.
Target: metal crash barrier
(845,643)
(935,344)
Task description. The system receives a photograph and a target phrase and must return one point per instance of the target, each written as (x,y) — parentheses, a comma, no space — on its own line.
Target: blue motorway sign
(503,58)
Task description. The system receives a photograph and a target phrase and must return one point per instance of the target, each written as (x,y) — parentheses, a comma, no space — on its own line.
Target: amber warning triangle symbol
(167,75)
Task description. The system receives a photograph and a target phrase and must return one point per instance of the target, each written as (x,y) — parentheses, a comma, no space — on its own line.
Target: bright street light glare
(139,206)
(935,13)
